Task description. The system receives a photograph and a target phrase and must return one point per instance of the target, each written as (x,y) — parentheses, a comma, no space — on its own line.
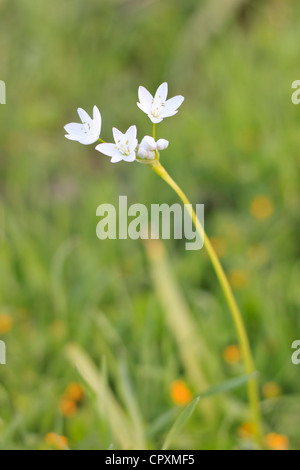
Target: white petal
(168,113)
(145,98)
(71,137)
(108,149)
(145,109)
(173,103)
(84,116)
(142,152)
(131,132)
(162,144)
(154,119)
(97,120)
(151,155)
(87,139)
(130,158)
(162,92)
(133,145)
(130,137)
(118,135)
(148,143)
(118,157)
(74,128)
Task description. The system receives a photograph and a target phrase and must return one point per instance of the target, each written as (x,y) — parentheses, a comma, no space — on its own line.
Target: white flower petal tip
(124,147)
(158,107)
(149,143)
(162,144)
(88,131)
(161,92)
(148,147)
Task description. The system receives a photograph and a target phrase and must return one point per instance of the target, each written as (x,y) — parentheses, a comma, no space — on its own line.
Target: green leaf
(180,422)
(161,422)
(228,385)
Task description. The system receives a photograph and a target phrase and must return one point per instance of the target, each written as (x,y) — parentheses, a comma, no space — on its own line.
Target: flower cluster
(126,146)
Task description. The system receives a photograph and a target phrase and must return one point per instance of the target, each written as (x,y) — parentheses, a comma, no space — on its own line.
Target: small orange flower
(180,393)
(277,441)
(5,323)
(246,430)
(238,278)
(271,390)
(75,392)
(261,207)
(67,407)
(56,441)
(232,354)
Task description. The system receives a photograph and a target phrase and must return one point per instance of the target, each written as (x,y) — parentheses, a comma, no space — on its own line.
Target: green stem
(154,131)
(253,393)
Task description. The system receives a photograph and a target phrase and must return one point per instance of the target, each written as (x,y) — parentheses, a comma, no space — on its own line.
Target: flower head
(180,393)
(56,441)
(232,354)
(246,430)
(75,392)
(67,407)
(159,107)
(124,147)
(88,131)
(261,207)
(5,323)
(277,441)
(148,147)
(271,390)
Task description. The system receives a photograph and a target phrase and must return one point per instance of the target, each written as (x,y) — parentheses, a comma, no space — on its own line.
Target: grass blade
(228,385)
(118,420)
(180,422)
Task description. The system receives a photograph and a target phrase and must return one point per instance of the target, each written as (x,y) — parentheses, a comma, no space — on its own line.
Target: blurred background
(147,324)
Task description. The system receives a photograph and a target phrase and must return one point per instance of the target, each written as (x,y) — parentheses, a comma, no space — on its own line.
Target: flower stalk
(253,393)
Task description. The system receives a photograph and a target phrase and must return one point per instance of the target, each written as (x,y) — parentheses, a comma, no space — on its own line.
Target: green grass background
(236,136)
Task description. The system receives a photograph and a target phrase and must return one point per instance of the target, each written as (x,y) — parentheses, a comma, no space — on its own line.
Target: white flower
(159,107)
(124,147)
(148,147)
(88,131)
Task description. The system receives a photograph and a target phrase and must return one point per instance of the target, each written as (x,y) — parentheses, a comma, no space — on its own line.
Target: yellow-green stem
(236,315)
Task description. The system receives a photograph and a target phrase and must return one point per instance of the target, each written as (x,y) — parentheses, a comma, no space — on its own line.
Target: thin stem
(103,141)
(253,393)
(154,131)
